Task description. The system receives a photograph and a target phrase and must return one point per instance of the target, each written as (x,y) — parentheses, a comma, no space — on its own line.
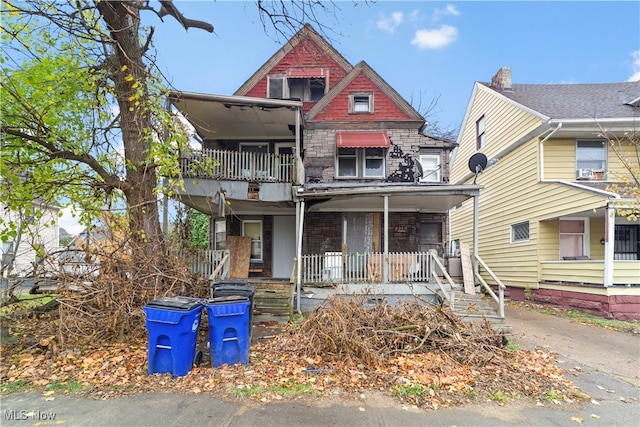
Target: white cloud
(448,10)
(636,67)
(435,39)
(391,22)
(69,222)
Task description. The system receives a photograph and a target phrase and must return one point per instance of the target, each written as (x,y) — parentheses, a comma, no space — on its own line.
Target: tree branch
(168,8)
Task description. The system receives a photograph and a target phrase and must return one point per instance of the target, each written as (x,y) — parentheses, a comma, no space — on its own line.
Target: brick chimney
(502,79)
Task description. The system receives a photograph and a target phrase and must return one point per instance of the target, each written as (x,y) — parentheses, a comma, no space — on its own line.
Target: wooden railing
(238,165)
(213,265)
(369,267)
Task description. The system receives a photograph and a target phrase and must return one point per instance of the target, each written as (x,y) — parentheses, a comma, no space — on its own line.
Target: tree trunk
(130,78)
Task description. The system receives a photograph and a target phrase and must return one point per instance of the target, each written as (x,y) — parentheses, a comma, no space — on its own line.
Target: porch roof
(402,197)
(237,117)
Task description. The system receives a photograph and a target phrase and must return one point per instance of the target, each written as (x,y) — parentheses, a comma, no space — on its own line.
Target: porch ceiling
(237,117)
(409,198)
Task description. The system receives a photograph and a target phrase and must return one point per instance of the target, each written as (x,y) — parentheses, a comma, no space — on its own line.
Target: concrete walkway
(604,364)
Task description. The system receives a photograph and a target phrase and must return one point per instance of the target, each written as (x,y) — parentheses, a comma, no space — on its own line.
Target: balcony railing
(238,165)
(338,267)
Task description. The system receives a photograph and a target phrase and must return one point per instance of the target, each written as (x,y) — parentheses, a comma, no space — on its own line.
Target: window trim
(260,239)
(585,235)
(361,158)
(604,160)
(513,229)
(353,103)
(285,86)
(481,128)
(438,169)
(219,228)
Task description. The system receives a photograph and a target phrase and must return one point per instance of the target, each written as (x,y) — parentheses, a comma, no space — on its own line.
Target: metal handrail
(501,287)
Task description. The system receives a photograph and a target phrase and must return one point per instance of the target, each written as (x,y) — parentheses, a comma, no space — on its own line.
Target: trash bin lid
(227,299)
(176,303)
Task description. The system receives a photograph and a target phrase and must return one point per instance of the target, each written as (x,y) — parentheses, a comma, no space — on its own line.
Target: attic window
(480,133)
(361,102)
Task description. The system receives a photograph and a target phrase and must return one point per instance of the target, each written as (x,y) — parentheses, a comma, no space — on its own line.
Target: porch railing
(238,165)
(354,267)
(213,265)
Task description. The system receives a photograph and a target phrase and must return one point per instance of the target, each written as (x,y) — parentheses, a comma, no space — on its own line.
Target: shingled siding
(383,107)
(320,154)
(306,54)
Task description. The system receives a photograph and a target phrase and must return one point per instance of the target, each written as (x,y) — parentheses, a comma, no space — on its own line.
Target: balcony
(239,166)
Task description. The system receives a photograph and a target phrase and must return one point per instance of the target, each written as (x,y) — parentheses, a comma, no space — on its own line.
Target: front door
(627,242)
(284,245)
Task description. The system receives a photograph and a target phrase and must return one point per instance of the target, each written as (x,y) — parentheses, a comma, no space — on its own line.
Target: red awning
(378,139)
(305,73)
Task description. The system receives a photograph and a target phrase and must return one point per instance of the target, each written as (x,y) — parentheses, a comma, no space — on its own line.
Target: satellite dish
(477,163)
(420,170)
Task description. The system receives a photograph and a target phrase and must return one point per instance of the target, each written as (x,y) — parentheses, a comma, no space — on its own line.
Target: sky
(430,52)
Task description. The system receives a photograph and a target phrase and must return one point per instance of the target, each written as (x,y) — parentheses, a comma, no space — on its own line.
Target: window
(572,238)
(253,229)
(430,167)
(361,102)
(220,242)
(480,133)
(279,86)
(276,86)
(361,162)
(308,89)
(520,232)
(591,157)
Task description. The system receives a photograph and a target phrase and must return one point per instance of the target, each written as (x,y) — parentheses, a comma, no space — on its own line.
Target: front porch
(589,272)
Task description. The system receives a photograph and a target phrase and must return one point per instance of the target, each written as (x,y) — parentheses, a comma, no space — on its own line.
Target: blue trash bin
(229,330)
(173,325)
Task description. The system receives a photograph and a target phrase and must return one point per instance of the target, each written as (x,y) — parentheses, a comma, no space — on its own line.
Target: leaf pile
(343,350)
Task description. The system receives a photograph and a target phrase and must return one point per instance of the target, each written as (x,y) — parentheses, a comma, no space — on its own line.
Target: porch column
(385,264)
(299,230)
(475,234)
(609,239)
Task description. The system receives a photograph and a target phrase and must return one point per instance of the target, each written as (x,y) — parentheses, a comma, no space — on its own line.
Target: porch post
(385,264)
(475,234)
(299,164)
(299,230)
(609,239)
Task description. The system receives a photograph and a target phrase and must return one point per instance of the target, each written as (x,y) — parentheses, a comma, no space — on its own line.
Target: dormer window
(361,102)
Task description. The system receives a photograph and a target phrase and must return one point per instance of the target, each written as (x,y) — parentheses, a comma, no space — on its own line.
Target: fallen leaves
(292,365)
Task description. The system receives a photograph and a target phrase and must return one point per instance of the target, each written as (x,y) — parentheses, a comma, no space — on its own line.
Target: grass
(629,326)
(26,302)
(289,388)
(18,386)
(411,391)
(499,396)
(66,387)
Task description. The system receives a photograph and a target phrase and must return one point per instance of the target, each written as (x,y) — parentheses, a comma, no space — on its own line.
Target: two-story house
(31,250)
(324,170)
(548,219)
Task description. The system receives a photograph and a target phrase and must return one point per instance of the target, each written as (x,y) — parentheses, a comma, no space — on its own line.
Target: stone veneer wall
(320,158)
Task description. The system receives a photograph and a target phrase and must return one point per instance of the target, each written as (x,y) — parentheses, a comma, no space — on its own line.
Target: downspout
(542,150)
(300,217)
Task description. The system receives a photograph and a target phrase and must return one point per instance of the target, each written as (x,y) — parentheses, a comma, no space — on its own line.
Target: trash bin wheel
(197,360)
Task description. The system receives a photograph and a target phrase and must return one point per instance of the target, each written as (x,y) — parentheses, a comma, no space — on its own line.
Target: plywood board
(240,254)
(467,270)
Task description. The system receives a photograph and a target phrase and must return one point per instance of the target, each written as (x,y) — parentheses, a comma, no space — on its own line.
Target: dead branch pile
(349,330)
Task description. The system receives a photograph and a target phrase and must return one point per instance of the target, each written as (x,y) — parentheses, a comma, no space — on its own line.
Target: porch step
(473,308)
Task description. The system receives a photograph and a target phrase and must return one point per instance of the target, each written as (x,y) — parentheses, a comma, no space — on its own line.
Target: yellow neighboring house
(548,221)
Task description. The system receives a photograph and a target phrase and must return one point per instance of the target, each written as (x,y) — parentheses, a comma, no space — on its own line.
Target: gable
(306,50)
(384,108)
(386,105)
